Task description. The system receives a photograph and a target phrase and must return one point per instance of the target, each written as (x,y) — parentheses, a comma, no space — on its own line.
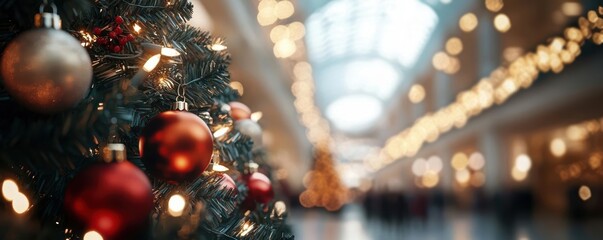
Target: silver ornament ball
(251,129)
(46,70)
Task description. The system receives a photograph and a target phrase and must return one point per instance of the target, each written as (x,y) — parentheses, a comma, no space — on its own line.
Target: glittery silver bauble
(46,70)
(251,129)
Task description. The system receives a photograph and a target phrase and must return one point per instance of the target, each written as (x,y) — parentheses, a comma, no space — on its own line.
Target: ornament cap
(114,152)
(47,19)
(180,106)
(251,167)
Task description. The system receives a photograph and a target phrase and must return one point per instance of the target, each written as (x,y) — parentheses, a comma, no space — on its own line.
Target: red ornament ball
(113,199)
(116,49)
(260,190)
(227,183)
(239,111)
(176,146)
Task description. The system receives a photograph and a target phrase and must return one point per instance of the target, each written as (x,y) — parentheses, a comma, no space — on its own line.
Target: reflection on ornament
(176,146)
(113,199)
(46,70)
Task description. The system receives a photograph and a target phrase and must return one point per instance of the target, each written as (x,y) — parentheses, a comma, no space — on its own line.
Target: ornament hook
(47,19)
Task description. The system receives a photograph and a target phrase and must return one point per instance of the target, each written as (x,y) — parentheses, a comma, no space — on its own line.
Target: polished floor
(353,223)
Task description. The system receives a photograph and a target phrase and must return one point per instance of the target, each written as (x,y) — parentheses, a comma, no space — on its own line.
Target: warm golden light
(430,179)
(256,116)
(468,22)
(494,5)
(266,12)
(576,133)
(246,229)
(419,167)
(476,161)
(571,9)
(9,189)
(297,30)
(279,32)
(284,9)
(440,61)
(238,86)
(584,193)
(176,205)
(434,164)
(454,46)
(151,63)
(219,168)
(20,203)
(221,132)
(462,176)
(137,28)
(93,235)
(284,48)
(459,161)
(416,93)
(169,52)
(518,175)
(558,147)
(218,47)
(523,163)
(512,53)
(502,23)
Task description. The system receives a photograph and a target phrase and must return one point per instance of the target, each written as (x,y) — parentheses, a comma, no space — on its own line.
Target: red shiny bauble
(176,146)
(260,190)
(114,199)
(239,111)
(227,183)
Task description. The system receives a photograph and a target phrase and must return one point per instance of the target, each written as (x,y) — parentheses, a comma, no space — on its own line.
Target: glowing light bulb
(256,116)
(246,229)
(523,163)
(558,147)
(218,47)
(169,52)
(176,205)
(221,132)
(219,168)
(93,235)
(584,193)
(9,189)
(137,28)
(151,63)
(20,203)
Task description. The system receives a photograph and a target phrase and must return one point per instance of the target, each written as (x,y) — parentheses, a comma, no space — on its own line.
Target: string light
(557,147)
(416,93)
(218,47)
(221,132)
(502,83)
(219,168)
(494,5)
(468,22)
(584,193)
(20,203)
(93,235)
(518,175)
(502,23)
(148,66)
(9,189)
(176,205)
(256,116)
(523,163)
(476,161)
(454,46)
(137,28)
(246,229)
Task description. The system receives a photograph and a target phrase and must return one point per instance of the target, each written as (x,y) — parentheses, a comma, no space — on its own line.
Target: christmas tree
(118,122)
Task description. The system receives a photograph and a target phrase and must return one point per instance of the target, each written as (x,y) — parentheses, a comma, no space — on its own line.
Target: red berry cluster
(113,37)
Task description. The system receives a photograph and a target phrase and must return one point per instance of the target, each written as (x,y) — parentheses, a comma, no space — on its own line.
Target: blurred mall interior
(445,119)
